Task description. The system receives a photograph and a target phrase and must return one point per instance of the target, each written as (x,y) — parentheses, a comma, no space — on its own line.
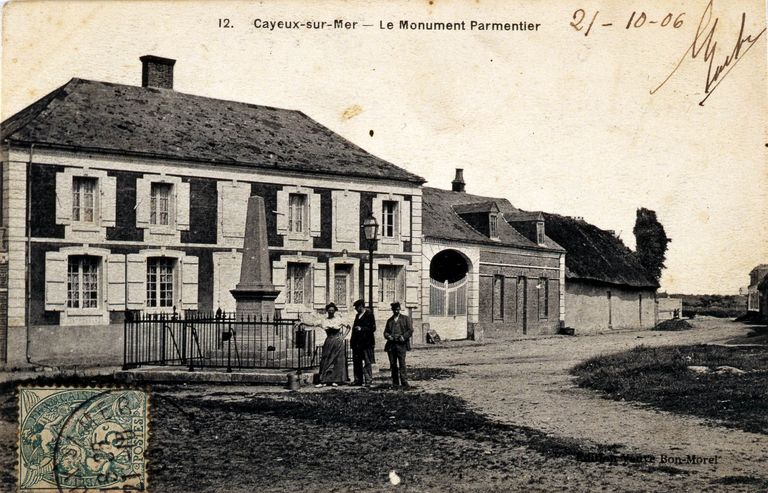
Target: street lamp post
(371,232)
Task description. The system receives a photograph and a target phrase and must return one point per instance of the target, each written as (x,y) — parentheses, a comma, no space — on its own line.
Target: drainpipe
(28,267)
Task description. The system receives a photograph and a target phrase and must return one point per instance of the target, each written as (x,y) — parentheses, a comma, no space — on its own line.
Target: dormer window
(493,225)
(540,232)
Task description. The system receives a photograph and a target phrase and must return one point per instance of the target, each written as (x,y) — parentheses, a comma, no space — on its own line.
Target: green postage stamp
(82,439)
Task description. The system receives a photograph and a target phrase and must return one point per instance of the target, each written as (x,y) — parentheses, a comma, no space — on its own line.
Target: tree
(651,242)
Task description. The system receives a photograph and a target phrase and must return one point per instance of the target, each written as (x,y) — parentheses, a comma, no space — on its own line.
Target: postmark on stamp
(82,439)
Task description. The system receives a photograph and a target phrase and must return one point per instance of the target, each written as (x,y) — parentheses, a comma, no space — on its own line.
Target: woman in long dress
(333,363)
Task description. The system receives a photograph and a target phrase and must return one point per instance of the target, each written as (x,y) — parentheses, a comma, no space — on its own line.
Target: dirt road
(527,383)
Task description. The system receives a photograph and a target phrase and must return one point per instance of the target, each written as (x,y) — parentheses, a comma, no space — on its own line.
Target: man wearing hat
(398,335)
(362,343)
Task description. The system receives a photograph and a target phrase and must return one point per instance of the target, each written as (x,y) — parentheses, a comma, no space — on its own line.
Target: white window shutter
(282,212)
(412,279)
(182,207)
(63,198)
(116,277)
(55,281)
(107,205)
(143,187)
(226,276)
(314,215)
(234,206)
(189,276)
(376,209)
(400,286)
(405,220)
(346,219)
(278,279)
(136,276)
(319,282)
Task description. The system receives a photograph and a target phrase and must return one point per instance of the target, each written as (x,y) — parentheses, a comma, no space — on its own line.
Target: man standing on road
(362,344)
(398,335)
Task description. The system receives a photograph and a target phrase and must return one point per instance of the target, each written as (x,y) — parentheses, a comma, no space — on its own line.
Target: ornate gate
(447,299)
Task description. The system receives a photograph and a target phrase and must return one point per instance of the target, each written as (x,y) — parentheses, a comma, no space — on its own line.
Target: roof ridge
(175,91)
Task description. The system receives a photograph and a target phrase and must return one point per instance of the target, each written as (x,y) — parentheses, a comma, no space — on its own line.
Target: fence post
(125,341)
(229,350)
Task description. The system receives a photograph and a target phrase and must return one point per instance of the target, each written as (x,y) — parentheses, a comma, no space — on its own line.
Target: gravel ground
(527,383)
(498,416)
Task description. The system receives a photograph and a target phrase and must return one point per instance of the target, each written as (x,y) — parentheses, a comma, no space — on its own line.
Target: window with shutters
(84,199)
(498,297)
(391,283)
(543,298)
(83,281)
(298,284)
(160,281)
(342,286)
(297,213)
(160,204)
(493,223)
(389,218)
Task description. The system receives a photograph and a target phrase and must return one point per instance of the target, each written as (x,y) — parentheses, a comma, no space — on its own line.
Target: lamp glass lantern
(370,228)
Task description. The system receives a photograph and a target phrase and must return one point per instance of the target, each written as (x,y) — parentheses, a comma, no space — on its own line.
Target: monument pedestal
(255,303)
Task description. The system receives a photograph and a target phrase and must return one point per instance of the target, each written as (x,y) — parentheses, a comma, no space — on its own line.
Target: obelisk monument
(255,294)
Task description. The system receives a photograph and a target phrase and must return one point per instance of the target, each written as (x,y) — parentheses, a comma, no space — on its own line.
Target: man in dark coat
(362,343)
(398,334)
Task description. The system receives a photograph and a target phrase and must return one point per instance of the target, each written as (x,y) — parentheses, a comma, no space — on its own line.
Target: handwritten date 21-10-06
(636,20)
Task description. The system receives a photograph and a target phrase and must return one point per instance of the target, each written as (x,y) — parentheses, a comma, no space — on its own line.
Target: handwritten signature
(705,41)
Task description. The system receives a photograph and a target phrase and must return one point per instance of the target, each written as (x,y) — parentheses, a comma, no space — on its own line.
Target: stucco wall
(588,308)
(95,345)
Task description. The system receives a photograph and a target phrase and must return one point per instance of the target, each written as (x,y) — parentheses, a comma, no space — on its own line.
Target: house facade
(484,274)
(605,285)
(756,276)
(119,198)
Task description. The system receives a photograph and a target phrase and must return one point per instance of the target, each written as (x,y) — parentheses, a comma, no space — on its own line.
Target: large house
(118,198)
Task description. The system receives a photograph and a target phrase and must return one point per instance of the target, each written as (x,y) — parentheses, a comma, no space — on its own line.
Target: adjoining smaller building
(483,274)
(606,287)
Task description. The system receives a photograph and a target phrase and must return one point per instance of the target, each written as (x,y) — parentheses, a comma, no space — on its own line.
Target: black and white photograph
(441,245)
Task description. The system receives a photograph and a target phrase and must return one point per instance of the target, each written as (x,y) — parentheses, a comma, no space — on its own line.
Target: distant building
(762,290)
(668,308)
(756,276)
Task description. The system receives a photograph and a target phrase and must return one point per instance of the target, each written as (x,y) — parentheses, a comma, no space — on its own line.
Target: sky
(555,119)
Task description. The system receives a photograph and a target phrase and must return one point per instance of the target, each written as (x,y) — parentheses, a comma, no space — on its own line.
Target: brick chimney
(458,182)
(157,71)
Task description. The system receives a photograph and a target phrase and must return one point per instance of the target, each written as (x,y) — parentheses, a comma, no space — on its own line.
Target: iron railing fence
(203,340)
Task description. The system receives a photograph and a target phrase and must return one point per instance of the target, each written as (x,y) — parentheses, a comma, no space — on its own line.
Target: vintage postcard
(439,245)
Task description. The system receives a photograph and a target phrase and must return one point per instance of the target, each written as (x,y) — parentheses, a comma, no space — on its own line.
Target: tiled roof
(593,254)
(441,221)
(145,121)
(486,206)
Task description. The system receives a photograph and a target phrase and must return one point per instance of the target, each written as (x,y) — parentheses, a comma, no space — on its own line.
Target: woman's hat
(331,305)
(358,303)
